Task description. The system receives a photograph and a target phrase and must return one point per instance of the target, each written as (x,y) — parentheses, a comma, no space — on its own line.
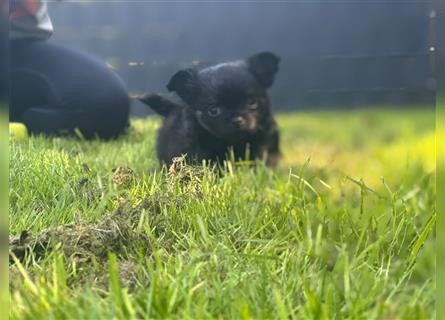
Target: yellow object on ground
(18,130)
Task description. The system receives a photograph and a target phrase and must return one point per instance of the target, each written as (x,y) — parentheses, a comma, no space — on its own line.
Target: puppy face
(229,99)
(231,102)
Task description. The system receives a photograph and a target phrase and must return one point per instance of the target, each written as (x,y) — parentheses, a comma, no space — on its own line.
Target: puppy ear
(185,84)
(264,66)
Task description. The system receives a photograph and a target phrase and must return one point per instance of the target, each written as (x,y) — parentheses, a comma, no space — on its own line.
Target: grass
(343,229)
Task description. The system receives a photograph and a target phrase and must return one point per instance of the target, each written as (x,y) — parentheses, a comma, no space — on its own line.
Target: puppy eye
(214,111)
(252,103)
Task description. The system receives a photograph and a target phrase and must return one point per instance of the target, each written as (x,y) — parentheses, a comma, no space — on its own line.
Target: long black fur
(225,109)
(159,104)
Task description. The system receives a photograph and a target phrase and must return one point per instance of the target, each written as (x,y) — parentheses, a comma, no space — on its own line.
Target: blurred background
(334,54)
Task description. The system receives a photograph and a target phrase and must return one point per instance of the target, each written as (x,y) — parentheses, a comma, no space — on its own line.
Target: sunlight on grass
(361,144)
(99,231)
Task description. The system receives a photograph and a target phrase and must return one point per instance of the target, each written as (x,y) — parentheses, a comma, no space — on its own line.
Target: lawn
(342,229)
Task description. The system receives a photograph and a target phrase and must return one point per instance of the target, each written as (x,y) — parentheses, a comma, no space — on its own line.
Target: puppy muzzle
(247,123)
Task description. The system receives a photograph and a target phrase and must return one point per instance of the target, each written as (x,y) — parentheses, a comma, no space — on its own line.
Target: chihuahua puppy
(226,109)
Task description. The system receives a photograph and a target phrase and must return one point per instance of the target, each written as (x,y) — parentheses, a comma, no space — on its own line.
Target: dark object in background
(4,56)
(384,59)
(55,90)
(226,108)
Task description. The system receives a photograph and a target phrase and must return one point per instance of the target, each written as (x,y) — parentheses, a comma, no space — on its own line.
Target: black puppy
(226,109)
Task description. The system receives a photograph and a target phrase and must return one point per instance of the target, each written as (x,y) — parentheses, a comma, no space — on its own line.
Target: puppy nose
(238,121)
